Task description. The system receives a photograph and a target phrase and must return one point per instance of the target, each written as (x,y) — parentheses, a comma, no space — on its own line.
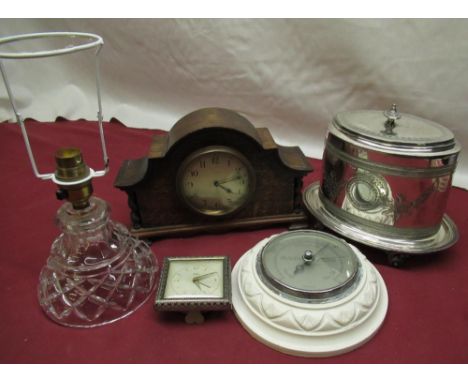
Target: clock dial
(216,180)
(309,264)
(194,278)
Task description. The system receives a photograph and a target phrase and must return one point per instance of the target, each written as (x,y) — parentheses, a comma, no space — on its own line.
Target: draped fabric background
(289,75)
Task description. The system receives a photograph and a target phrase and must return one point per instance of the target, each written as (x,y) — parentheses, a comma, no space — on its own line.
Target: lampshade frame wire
(97,42)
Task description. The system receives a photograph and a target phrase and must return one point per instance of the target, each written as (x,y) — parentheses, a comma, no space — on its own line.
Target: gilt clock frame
(194,303)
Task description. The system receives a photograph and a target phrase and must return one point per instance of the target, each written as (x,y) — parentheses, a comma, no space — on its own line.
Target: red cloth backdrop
(427,320)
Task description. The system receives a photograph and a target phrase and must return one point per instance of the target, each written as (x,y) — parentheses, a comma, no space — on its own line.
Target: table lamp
(96,272)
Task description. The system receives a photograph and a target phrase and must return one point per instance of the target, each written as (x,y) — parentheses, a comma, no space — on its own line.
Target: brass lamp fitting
(69,171)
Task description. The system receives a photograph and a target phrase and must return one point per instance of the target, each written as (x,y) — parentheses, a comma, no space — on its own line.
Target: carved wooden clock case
(213,171)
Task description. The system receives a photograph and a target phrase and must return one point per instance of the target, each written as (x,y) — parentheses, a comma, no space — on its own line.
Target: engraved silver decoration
(388,175)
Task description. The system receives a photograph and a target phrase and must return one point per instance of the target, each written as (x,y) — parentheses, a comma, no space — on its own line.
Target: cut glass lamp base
(96,273)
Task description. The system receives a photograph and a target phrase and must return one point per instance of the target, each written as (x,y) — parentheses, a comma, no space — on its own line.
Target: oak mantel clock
(213,171)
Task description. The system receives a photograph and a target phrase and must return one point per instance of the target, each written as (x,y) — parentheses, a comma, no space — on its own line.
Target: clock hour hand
(201,277)
(218,184)
(198,282)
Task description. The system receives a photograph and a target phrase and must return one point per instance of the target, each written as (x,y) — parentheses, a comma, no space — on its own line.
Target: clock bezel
(293,293)
(208,150)
(193,303)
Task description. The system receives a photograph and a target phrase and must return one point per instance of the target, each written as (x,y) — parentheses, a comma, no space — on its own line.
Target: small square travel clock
(194,284)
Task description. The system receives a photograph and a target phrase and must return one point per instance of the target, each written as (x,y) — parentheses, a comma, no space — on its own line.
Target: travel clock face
(194,278)
(194,284)
(216,181)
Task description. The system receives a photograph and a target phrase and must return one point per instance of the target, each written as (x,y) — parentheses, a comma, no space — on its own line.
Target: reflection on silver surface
(382,192)
(386,180)
(444,237)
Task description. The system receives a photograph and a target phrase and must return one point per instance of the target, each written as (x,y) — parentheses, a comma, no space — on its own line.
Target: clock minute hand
(217,184)
(198,283)
(198,278)
(227,180)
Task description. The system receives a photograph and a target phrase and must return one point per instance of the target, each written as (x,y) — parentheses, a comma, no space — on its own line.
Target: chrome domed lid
(395,132)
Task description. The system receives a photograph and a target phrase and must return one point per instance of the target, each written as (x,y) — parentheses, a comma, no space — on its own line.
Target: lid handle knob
(392,115)
(308,256)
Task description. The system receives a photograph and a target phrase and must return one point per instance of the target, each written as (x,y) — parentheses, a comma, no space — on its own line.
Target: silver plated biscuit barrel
(386,181)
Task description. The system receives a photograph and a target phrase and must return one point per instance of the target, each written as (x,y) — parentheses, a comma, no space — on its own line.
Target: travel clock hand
(198,282)
(201,277)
